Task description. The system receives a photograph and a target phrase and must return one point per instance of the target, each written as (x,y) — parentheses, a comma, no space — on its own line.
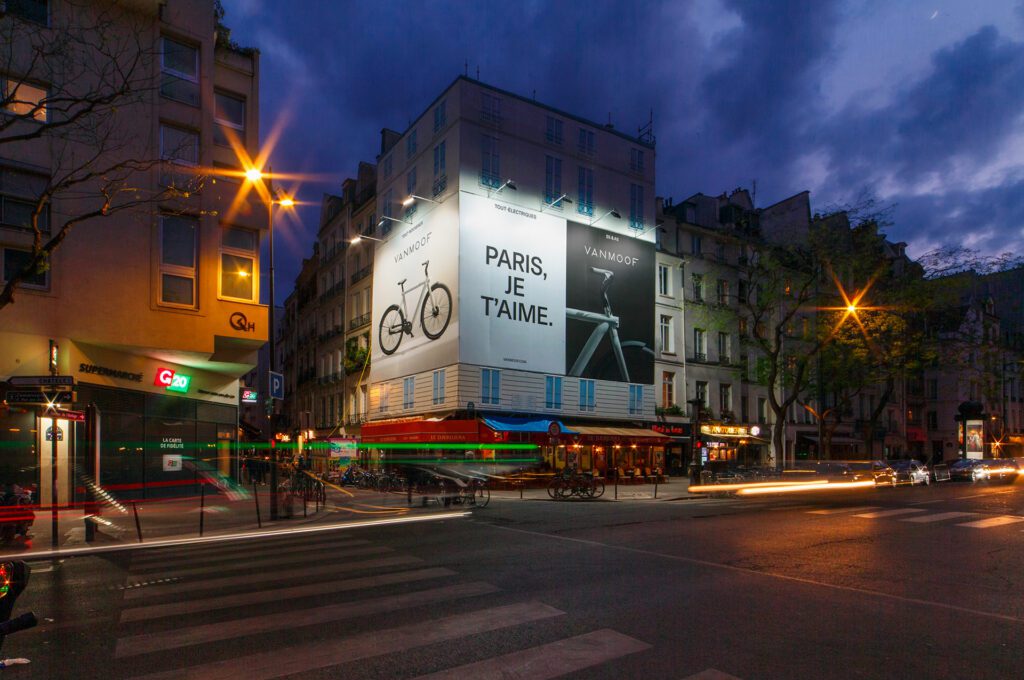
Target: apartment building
(152,307)
(513,288)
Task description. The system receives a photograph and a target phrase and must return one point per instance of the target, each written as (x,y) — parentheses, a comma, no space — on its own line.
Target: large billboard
(512,278)
(512,288)
(415,294)
(609,298)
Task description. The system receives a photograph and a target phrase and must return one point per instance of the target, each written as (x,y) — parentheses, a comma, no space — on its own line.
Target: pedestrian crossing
(278,607)
(921,516)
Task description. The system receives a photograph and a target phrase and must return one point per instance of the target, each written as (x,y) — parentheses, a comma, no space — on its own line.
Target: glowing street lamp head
(851,308)
(286,202)
(253,174)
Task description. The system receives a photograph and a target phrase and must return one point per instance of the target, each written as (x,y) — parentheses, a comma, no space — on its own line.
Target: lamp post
(255,175)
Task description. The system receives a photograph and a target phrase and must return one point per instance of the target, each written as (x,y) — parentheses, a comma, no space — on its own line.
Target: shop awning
(428,431)
(534,425)
(631,435)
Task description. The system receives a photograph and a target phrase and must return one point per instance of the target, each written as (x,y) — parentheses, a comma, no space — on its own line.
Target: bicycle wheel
(553,488)
(436,311)
(482,496)
(597,489)
(389,331)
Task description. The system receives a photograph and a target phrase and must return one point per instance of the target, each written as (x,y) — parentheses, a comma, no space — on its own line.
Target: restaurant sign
(730,430)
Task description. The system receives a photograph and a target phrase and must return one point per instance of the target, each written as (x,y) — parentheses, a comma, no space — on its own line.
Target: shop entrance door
(47,431)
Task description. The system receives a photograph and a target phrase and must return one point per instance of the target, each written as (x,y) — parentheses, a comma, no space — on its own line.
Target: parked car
(968,470)
(910,472)
(1001,469)
(876,470)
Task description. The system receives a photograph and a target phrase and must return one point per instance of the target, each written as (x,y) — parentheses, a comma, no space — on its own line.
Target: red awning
(427,431)
(915,434)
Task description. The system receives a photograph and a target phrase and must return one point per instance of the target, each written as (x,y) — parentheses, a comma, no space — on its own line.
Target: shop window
(552,392)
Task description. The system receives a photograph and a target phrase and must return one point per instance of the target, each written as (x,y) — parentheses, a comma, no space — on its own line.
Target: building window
(698,287)
(695,244)
(585,196)
(179,145)
(384,398)
(437,390)
(440,173)
(702,393)
(724,349)
(722,291)
(387,202)
(932,420)
(724,398)
(636,400)
(587,401)
(408,392)
(410,144)
(14,260)
(554,131)
(178,239)
(410,182)
(586,141)
(36,11)
(744,411)
(490,162)
(762,410)
(744,291)
(179,65)
(490,108)
(490,386)
(933,388)
(664,280)
(668,389)
(229,114)
(552,392)
(552,180)
(19,194)
(700,344)
(386,166)
(238,264)
(636,206)
(23,99)
(636,160)
(440,116)
(665,334)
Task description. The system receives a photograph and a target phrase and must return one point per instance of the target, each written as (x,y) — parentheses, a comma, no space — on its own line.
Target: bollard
(256,498)
(138,526)
(616,484)
(305,497)
(656,485)
(202,507)
(522,483)
(408,486)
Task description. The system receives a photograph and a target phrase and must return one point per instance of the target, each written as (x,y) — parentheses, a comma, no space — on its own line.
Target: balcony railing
(358,321)
(699,357)
(361,274)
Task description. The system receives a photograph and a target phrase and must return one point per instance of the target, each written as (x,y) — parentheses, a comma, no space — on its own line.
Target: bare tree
(71,85)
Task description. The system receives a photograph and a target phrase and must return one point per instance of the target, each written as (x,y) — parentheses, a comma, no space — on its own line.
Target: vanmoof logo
(240,322)
(175,382)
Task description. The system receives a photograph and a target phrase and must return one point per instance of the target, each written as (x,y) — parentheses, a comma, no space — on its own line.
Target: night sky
(919,104)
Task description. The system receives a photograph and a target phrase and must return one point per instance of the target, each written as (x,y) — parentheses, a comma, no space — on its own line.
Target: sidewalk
(676,489)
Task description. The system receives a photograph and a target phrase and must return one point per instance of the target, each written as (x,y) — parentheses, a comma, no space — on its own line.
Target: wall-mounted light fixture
(564,198)
(613,212)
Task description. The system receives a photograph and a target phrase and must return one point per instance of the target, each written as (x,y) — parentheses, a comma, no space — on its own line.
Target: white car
(910,472)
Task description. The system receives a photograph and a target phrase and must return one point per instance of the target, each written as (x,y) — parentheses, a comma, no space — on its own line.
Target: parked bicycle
(566,486)
(435,307)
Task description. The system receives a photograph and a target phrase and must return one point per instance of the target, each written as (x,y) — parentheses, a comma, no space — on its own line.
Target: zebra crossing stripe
(255,625)
(548,661)
(265,576)
(833,511)
(194,606)
(334,651)
(938,517)
(264,561)
(992,522)
(890,513)
(203,555)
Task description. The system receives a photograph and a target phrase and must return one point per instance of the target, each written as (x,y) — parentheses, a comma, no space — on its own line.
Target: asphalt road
(896,583)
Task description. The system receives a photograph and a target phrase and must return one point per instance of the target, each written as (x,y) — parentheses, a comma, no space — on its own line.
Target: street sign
(39,397)
(77,416)
(276,385)
(42,380)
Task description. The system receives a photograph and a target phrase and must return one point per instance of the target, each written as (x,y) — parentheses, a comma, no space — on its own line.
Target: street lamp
(613,212)
(357,238)
(412,198)
(255,175)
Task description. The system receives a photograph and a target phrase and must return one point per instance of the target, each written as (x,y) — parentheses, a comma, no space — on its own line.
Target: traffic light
(13,579)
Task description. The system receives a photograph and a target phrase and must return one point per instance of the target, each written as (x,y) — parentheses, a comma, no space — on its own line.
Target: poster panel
(512,278)
(609,293)
(415,294)
(975,439)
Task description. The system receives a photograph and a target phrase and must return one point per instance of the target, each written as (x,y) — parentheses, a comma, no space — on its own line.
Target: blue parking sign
(276,385)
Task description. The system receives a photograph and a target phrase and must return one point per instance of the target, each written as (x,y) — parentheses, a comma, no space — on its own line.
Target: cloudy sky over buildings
(919,104)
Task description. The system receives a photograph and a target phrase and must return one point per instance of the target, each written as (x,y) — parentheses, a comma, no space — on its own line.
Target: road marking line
(202,555)
(265,576)
(711,674)
(552,660)
(194,606)
(262,623)
(992,522)
(262,561)
(938,517)
(766,574)
(332,652)
(982,495)
(833,511)
(890,513)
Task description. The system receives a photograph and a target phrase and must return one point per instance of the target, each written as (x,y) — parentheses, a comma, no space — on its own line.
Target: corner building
(155,310)
(513,288)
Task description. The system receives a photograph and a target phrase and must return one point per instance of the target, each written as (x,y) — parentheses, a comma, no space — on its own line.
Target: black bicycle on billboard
(606,324)
(435,306)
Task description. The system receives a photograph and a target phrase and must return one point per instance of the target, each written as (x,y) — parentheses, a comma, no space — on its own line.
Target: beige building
(155,306)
